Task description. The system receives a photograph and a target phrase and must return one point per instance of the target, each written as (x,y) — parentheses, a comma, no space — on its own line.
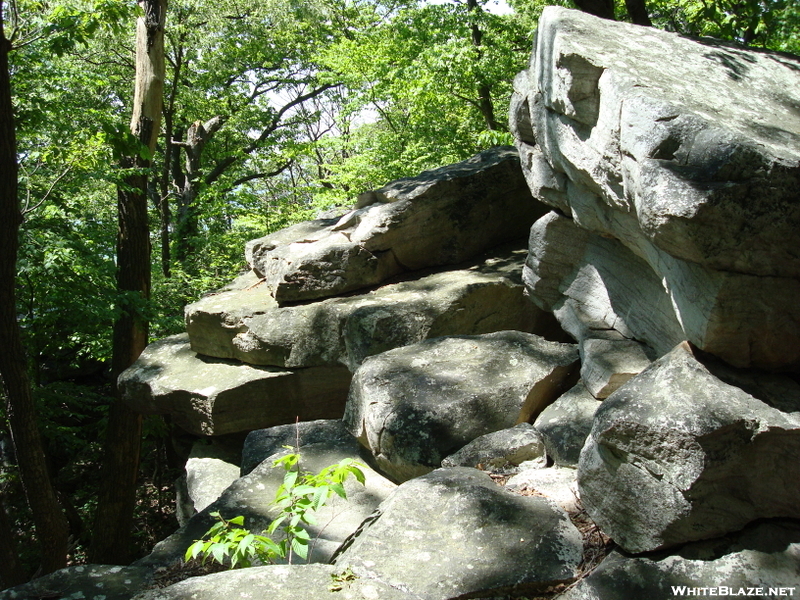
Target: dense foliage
(273,111)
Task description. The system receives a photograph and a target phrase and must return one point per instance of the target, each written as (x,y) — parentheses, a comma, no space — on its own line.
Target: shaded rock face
(565,425)
(413,406)
(687,177)
(86,582)
(454,531)
(278,582)
(764,555)
(500,449)
(440,217)
(216,397)
(677,455)
(245,323)
(252,496)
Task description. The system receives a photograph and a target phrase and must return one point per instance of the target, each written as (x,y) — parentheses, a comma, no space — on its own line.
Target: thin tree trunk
(112,531)
(637,10)
(485,102)
(51,526)
(599,8)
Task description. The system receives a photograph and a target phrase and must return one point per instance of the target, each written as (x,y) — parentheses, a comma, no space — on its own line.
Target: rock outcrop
(679,186)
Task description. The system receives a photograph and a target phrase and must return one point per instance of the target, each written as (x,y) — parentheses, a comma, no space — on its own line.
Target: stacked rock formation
(438,254)
(662,209)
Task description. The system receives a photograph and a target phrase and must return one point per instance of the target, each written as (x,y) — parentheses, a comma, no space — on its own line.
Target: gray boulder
(413,406)
(440,217)
(677,455)
(84,582)
(760,558)
(454,532)
(246,324)
(500,450)
(215,397)
(693,169)
(279,582)
(252,496)
(565,425)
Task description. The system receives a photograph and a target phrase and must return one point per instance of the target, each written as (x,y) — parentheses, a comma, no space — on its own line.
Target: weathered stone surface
(85,582)
(694,169)
(208,472)
(248,325)
(607,364)
(559,485)
(676,455)
(263,443)
(566,423)
(596,287)
(413,406)
(252,495)
(500,449)
(440,217)
(765,555)
(455,532)
(279,582)
(215,397)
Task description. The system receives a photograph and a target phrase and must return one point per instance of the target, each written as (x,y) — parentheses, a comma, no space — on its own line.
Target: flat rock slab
(413,406)
(455,532)
(85,582)
(694,169)
(440,217)
(761,560)
(557,484)
(252,496)
(246,323)
(279,582)
(214,397)
(677,455)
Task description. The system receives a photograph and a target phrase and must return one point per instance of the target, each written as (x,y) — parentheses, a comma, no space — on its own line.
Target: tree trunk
(52,529)
(111,539)
(485,103)
(637,10)
(599,8)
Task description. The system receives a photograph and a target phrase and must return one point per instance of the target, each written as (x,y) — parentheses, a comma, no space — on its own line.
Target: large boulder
(677,455)
(761,560)
(694,170)
(215,397)
(440,217)
(245,323)
(413,406)
(454,532)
